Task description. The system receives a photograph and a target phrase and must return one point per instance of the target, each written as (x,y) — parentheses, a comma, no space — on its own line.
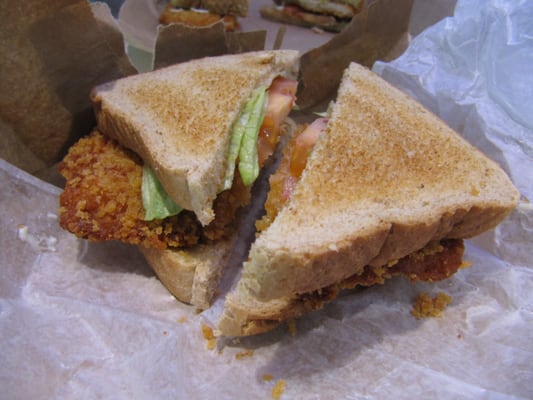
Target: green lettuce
(156,202)
(243,140)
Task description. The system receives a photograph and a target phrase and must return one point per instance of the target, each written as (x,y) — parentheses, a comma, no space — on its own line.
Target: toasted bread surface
(178,118)
(386,178)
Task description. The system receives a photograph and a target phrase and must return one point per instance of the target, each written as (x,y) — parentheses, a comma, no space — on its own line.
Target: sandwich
(201,13)
(377,187)
(171,162)
(331,15)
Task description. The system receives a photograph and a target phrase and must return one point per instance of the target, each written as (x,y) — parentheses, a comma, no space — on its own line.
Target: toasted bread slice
(178,119)
(386,179)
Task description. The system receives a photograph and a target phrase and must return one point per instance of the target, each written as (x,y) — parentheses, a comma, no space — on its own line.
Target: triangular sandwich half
(189,137)
(388,189)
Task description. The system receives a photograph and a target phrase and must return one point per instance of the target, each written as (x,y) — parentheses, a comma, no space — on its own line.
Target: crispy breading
(102,200)
(196,19)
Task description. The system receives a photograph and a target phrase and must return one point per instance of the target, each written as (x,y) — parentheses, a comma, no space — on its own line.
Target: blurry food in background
(201,13)
(332,16)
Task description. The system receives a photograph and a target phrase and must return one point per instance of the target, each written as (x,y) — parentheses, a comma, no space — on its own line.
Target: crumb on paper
(182,319)
(291,324)
(425,306)
(267,377)
(278,389)
(244,354)
(209,336)
(165,333)
(465,264)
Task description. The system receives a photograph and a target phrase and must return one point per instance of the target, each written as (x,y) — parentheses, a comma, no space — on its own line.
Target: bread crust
(178,118)
(191,275)
(387,178)
(245,315)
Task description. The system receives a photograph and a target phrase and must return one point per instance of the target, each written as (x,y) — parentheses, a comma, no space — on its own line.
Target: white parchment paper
(88,321)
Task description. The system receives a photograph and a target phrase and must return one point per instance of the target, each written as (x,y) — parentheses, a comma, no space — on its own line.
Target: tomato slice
(284,180)
(304,144)
(281,99)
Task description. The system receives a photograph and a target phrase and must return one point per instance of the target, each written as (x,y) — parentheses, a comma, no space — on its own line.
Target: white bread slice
(178,118)
(387,178)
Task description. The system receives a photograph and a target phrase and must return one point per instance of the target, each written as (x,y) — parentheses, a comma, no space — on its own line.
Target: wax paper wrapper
(85,321)
(474,71)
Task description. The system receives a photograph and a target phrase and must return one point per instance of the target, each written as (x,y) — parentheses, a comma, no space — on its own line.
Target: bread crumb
(244,354)
(465,264)
(209,336)
(425,306)
(291,324)
(278,389)
(182,320)
(267,377)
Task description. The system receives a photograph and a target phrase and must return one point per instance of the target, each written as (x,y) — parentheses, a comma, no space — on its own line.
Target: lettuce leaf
(156,202)
(244,131)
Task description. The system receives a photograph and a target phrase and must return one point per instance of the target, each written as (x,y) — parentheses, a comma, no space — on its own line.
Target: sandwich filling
(197,13)
(331,15)
(197,18)
(111,195)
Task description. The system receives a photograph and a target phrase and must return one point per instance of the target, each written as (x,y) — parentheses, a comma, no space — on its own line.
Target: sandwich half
(328,15)
(379,187)
(172,160)
(200,13)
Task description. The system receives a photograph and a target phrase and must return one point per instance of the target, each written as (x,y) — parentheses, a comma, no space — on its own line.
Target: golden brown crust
(102,200)
(164,115)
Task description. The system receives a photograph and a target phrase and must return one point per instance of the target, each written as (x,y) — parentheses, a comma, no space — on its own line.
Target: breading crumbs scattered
(267,377)
(277,391)
(244,354)
(209,336)
(425,306)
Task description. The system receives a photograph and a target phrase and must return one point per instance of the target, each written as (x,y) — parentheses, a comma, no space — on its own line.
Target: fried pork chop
(102,200)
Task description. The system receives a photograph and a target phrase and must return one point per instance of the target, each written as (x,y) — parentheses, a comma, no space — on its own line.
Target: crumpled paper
(474,71)
(87,321)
